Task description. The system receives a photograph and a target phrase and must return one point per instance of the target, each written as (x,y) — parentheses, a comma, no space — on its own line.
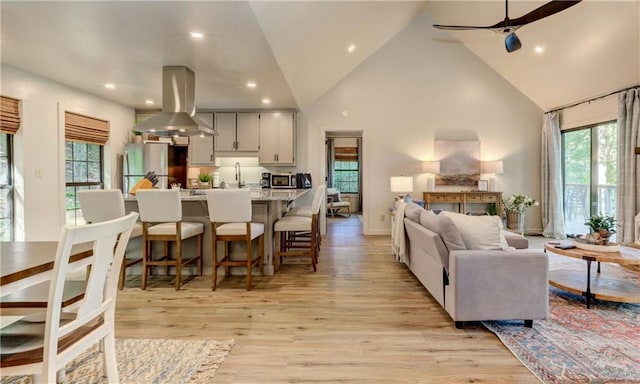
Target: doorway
(344,171)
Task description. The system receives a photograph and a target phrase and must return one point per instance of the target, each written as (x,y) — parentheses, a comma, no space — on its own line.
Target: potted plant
(204,179)
(137,137)
(516,206)
(602,227)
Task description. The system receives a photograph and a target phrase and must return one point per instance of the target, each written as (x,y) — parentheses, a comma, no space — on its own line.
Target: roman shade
(346,153)
(85,129)
(9,115)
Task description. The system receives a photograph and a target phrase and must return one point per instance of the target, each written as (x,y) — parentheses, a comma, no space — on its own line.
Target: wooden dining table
(26,263)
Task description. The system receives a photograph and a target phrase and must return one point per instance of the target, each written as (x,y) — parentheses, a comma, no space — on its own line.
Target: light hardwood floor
(362,318)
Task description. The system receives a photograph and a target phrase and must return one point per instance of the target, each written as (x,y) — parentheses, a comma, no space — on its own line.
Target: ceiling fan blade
(459,27)
(543,11)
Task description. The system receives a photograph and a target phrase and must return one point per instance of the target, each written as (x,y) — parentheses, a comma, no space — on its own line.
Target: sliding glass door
(590,174)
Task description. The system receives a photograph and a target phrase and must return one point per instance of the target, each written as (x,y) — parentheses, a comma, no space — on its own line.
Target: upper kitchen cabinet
(277,139)
(201,148)
(238,132)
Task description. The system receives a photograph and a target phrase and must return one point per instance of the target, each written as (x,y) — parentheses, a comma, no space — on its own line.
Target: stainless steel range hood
(178,107)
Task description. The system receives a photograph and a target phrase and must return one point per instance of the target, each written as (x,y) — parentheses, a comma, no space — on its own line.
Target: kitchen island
(267,206)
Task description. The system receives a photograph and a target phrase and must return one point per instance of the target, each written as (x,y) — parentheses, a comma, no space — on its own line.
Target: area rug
(576,344)
(148,361)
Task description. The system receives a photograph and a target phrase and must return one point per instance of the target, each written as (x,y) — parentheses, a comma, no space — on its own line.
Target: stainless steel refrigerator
(139,159)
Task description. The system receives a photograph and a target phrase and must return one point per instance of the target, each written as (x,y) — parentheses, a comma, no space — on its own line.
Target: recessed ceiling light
(266,101)
(251,84)
(539,49)
(110,86)
(152,130)
(149,102)
(202,135)
(182,130)
(197,35)
(351,48)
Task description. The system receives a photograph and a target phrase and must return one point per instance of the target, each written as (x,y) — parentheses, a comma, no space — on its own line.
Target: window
(346,176)
(6,187)
(590,173)
(83,170)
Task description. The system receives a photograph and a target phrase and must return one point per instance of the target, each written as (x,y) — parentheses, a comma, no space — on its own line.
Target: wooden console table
(463,198)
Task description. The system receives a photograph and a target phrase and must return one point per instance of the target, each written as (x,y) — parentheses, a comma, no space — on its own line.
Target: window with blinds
(84,160)
(9,125)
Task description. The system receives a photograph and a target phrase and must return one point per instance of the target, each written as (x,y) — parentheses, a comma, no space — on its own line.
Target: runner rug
(576,344)
(148,361)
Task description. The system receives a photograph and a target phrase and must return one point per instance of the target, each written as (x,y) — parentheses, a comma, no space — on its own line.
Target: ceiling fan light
(512,43)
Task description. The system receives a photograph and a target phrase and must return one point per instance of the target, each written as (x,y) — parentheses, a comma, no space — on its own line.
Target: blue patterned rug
(576,344)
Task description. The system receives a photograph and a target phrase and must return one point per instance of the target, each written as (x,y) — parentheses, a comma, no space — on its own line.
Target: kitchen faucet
(239,176)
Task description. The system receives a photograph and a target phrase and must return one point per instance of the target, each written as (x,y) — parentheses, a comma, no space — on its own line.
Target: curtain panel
(9,115)
(552,182)
(628,172)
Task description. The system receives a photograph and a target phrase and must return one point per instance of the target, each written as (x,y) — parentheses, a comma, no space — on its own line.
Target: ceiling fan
(508,26)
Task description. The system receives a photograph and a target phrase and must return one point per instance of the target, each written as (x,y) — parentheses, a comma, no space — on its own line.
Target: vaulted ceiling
(296,51)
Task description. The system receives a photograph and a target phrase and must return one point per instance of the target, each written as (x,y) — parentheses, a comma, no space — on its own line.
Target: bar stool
(298,236)
(230,215)
(161,216)
(307,211)
(99,205)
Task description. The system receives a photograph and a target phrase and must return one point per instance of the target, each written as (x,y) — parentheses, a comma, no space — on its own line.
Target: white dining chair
(106,204)
(161,216)
(230,215)
(43,343)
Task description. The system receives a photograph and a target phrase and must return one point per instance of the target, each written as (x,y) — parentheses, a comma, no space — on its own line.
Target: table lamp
(492,168)
(401,185)
(431,168)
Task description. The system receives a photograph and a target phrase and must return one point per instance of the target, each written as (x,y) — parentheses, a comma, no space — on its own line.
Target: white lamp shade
(493,167)
(431,167)
(401,184)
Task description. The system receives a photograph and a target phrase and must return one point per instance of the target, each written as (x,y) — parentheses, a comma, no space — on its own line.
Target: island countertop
(268,205)
(284,195)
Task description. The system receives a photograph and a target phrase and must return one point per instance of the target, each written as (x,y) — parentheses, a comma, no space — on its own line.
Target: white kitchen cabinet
(201,148)
(247,136)
(237,132)
(277,139)
(201,151)
(225,124)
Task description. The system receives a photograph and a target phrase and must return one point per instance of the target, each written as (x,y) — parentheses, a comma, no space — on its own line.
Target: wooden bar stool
(298,236)
(161,215)
(230,215)
(307,211)
(107,204)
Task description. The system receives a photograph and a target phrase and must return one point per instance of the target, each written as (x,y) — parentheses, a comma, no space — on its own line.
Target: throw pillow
(479,232)
(334,197)
(412,212)
(447,229)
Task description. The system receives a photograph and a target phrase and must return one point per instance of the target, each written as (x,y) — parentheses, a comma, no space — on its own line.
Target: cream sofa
(475,285)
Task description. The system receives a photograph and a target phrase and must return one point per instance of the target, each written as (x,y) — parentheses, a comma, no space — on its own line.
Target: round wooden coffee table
(596,286)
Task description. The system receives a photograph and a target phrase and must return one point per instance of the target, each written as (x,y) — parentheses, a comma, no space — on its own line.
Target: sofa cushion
(479,232)
(515,240)
(412,212)
(447,229)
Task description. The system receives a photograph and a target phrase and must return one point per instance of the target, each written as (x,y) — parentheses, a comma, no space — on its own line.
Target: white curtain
(552,184)
(628,172)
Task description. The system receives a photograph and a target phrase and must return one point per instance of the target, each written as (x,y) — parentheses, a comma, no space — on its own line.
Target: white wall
(39,144)
(418,87)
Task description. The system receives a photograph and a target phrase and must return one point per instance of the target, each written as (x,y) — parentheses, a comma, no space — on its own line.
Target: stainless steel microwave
(283,181)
